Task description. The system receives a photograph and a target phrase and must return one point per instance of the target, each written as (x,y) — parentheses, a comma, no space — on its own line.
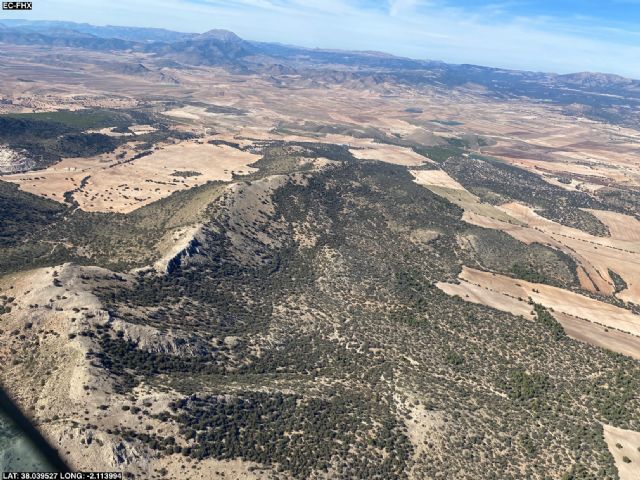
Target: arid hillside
(297,272)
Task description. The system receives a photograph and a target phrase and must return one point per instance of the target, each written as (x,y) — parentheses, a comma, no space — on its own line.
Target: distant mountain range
(605,97)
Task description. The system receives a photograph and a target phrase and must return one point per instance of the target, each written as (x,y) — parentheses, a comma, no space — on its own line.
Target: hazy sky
(560,36)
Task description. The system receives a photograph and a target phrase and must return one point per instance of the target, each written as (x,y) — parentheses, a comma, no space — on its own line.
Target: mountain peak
(221,35)
(595,78)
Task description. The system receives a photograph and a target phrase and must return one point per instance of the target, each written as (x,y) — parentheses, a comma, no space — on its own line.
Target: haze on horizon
(563,36)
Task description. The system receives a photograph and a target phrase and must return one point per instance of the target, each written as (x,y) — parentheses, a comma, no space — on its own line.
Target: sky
(554,36)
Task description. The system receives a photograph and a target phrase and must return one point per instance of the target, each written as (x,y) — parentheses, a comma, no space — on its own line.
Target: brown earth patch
(595,334)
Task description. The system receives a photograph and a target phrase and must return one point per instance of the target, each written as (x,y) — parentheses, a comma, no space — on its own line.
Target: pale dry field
(64,176)
(600,336)
(630,443)
(621,227)
(595,255)
(125,185)
(580,329)
(490,297)
(435,178)
(501,292)
(390,154)
(440,183)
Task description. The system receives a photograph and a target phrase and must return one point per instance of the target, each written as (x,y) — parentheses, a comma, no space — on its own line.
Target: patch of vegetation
(303,435)
(499,252)
(46,142)
(545,318)
(321,129)
(225,110)
(625,200)
(528,273)
(281,158)
(186,174)
(225,142)
(23,214)
(449,123)
(78,119)
(618,282)
(438,153)
(522,386)
(68,195)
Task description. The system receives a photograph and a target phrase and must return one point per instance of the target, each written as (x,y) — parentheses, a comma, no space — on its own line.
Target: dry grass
(390,154)
(630,443)
(595,334)
(125,185)
(435,178)
(621,227)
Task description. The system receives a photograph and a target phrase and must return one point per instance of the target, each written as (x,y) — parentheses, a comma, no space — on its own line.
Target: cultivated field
(513,295)
(111,184)
(594,255)
(390,154)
